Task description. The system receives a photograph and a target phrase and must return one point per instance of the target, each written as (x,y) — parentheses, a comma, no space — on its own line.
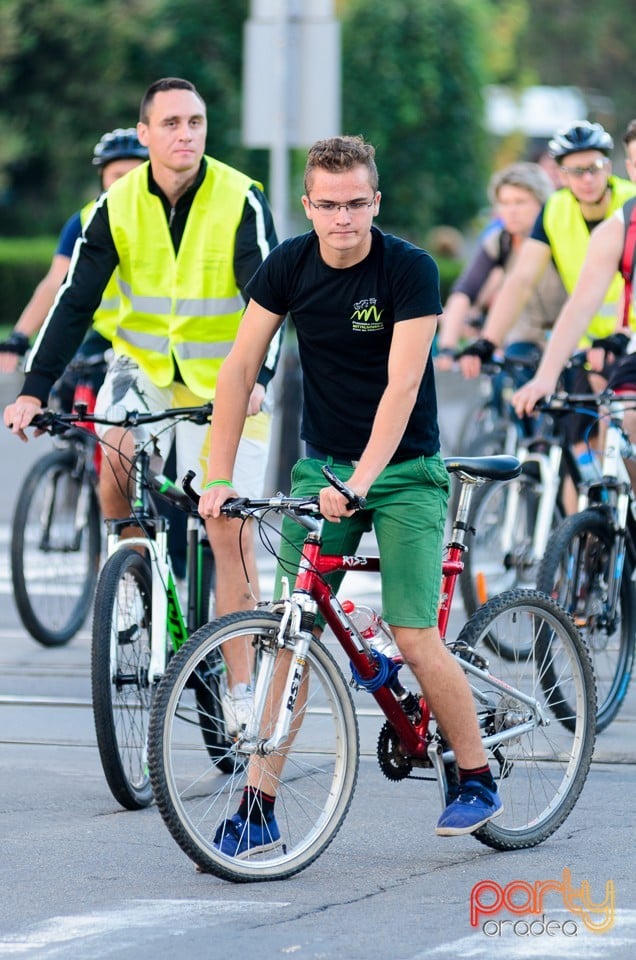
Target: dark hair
(630,132)
(160,86)
(341,153)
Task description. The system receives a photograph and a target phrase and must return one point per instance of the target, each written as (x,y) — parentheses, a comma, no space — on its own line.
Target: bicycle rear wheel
(320,757)
(577,570)
(119,672)
(540,773)
(55,547)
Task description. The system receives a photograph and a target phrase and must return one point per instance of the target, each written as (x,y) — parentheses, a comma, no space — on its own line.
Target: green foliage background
(413,76)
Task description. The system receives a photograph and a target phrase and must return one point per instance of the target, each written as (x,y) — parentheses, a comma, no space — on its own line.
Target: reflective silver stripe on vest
(112,303)
(161,305)
(209,306)
(607,310)
(190,307)
(202,351)
(144,341)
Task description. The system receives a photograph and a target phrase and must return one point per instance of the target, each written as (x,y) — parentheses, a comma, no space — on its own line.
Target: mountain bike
(485,429)
(590,560)
(56,526)
(513,521)
(303,711)
(139,619)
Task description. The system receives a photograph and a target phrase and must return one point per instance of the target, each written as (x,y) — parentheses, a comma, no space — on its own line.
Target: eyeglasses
(354,206)
(593,169)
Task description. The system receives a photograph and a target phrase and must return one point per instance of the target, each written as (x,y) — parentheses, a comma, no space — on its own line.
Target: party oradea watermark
(523,909)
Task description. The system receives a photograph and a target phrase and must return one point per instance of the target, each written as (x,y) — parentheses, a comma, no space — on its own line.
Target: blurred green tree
(413,74)
(72,69)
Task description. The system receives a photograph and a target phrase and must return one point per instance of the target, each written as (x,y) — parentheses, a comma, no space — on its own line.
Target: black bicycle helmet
(582,135)
(118,145)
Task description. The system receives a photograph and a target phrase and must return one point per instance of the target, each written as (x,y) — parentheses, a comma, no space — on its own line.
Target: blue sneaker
(239,838)
(473,807)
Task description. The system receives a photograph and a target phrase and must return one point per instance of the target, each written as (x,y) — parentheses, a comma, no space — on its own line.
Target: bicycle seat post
(460,521)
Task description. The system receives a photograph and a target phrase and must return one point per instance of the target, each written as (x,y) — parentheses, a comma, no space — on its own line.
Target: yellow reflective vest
(105,317)
(569,237)
(184,307)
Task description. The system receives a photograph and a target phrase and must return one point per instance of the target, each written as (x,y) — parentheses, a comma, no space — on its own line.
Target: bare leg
(445,690)
(114,478)
(232,589)
(264,772)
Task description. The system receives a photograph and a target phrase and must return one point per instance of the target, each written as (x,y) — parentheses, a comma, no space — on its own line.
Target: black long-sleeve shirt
(95,258)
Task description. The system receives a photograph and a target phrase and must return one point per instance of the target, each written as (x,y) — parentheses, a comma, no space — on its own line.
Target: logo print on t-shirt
(366,316)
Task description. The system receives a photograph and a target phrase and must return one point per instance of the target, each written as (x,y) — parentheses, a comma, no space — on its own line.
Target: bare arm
(408,356)
(36,310)
(600,265)
(534,256)
(452,322)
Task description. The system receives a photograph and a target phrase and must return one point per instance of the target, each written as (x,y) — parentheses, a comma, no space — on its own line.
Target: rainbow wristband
(217,483)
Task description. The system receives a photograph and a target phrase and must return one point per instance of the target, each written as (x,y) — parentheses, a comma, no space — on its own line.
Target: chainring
(393,764)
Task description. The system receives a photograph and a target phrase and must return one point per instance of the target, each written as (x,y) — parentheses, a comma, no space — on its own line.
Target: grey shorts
(127,385)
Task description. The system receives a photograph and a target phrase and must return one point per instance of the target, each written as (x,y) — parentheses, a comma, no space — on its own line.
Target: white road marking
(584,946)
(92,934)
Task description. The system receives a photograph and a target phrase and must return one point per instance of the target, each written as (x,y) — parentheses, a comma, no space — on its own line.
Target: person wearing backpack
(611,250)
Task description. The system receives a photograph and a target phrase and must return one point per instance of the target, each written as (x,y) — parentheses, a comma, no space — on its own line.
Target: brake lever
(354,502)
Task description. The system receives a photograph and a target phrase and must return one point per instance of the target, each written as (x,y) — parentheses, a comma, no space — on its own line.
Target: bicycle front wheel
(119,671)
(55,547)
(540,770)
(578,571)
(312,773)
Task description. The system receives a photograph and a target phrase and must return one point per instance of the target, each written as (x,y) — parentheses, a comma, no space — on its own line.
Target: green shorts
(406,507)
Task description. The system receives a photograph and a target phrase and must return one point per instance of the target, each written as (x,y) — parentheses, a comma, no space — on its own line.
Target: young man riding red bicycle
(365,308)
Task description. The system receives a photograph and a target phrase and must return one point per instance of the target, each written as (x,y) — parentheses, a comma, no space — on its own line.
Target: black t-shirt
(344,320)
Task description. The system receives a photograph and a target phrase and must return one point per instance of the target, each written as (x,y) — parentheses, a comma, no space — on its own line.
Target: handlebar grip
(354,502)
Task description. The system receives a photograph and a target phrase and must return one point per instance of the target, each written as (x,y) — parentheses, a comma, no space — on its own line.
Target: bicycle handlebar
(57,423)
(566,402)
(301,506)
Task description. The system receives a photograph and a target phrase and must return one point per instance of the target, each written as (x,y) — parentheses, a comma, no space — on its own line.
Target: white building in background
(536,111)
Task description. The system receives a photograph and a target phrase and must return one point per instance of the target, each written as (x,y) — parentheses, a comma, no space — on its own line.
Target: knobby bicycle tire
(540,774)
(121,696)
(577,571)
(55,547)
(319,774)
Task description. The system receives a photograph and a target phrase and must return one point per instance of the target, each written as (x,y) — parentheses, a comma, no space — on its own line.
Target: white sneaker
(237,708)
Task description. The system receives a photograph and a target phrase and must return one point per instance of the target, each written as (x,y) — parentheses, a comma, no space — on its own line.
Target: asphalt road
(82,878)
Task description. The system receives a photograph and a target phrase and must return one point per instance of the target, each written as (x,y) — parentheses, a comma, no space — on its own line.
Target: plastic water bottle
(373,628)
(588,466)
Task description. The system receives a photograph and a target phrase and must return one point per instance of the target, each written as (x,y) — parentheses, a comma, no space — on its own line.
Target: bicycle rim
(540,773)
(121,693)
(577,571)
(55,548)
(315,787)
